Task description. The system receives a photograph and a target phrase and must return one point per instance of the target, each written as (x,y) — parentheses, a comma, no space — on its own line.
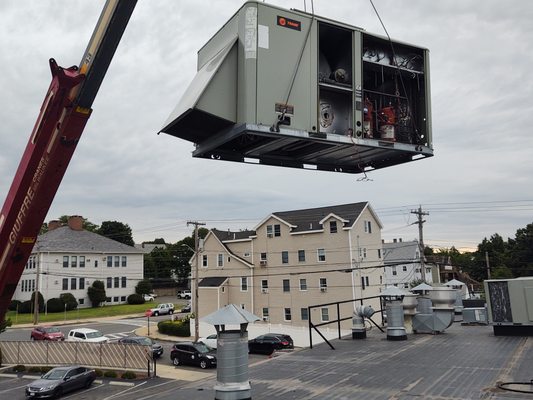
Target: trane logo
(289,23)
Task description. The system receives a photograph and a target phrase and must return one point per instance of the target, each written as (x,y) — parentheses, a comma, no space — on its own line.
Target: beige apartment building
(293,260)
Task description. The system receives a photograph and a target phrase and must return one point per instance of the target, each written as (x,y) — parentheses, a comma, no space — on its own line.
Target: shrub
(14,305)
(69,300)
(110,374)
(44,370)
(26,307)
(180,328)
(34,370)
(128,375)
(19,368)
(135,299)
(99,373)
(55,305)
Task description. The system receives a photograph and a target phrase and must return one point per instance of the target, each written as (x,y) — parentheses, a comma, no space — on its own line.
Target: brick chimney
(75,222)
(54,224)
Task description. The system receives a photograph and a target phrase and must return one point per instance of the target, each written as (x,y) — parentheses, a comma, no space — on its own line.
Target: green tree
(4,324)
(143,287)
(521,250)
(117,231)
(96,293)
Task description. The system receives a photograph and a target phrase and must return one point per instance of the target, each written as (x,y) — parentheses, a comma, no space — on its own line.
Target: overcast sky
(479,182)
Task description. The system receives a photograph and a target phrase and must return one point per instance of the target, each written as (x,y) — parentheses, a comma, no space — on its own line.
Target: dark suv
(157,349)
(267,343)
(193,354)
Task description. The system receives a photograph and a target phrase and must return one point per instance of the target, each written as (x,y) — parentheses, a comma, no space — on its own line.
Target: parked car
(210,341)
(61,380)
(86,335)
(46,333)
(163,309)
(148,297)
(266,344)
(186,308)
(189,353)
(157,349)
(184,294)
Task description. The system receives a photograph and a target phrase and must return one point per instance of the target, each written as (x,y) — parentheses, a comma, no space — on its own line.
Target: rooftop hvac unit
(288,88)
(510,305)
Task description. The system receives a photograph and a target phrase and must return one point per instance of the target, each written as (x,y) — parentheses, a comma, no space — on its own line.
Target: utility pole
(488,265)
(36,293)
(420,222)
(195,279)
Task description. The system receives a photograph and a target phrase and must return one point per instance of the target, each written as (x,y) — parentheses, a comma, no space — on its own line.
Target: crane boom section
(62,118)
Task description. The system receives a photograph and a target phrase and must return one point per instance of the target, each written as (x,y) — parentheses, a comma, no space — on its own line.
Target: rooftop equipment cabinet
(510,306)
(288,88)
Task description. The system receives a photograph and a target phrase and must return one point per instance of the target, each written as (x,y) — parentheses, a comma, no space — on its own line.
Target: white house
(68,259)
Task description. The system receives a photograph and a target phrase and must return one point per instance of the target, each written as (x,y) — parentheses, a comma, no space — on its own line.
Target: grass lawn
(83,313)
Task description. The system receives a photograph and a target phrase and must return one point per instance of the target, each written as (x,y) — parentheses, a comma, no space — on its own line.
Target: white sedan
(210,341)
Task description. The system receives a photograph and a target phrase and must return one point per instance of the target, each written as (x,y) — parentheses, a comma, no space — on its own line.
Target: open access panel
(287,88)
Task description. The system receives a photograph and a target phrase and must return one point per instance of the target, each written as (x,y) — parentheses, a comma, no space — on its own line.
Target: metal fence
(106,355)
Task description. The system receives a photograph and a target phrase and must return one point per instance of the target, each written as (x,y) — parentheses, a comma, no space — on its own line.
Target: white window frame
(283,259)
(306,314)
(220,260)
(324,312)
(264,283)
(301,255)
(303,288)
(368,226)
(283,285)
(244,283)
(323,283)
(205,261)
(333,227)
(285,314)
(321,253)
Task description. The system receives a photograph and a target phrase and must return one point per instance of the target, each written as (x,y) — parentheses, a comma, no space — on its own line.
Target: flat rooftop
(464,362)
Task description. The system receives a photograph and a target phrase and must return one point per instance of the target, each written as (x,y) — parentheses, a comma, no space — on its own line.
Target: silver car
(61,380)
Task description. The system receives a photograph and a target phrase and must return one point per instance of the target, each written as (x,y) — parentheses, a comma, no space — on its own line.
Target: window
(81,301)
(117,281)
(323,284)
(368,226)
(263,256)
(324,312)
(364,282)
(287,315)
(95,263)
(364,252)
(65,261)
(367,281)
(220,260)
(123,281)
(284,257)
(264,284)
(122,298)
(303,284)
(204,260)
(304,314)
(406,286)
(321,255)
(115,299)
(109,261)
(124,261)
(394,271)
(109,283)
(404,268)
(286,285)
(82,261)
(265,313)
(379,253)
(73,282)
(117,261)
(244,284)
(301,255)
(65,284)
(333,227)
(82,283)
(273,230)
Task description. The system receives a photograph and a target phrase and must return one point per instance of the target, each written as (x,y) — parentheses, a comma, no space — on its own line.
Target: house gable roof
(64,239)
(215,233)
(311,218)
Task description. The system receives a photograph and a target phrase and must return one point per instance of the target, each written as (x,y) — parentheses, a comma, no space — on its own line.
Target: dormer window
(333,227)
